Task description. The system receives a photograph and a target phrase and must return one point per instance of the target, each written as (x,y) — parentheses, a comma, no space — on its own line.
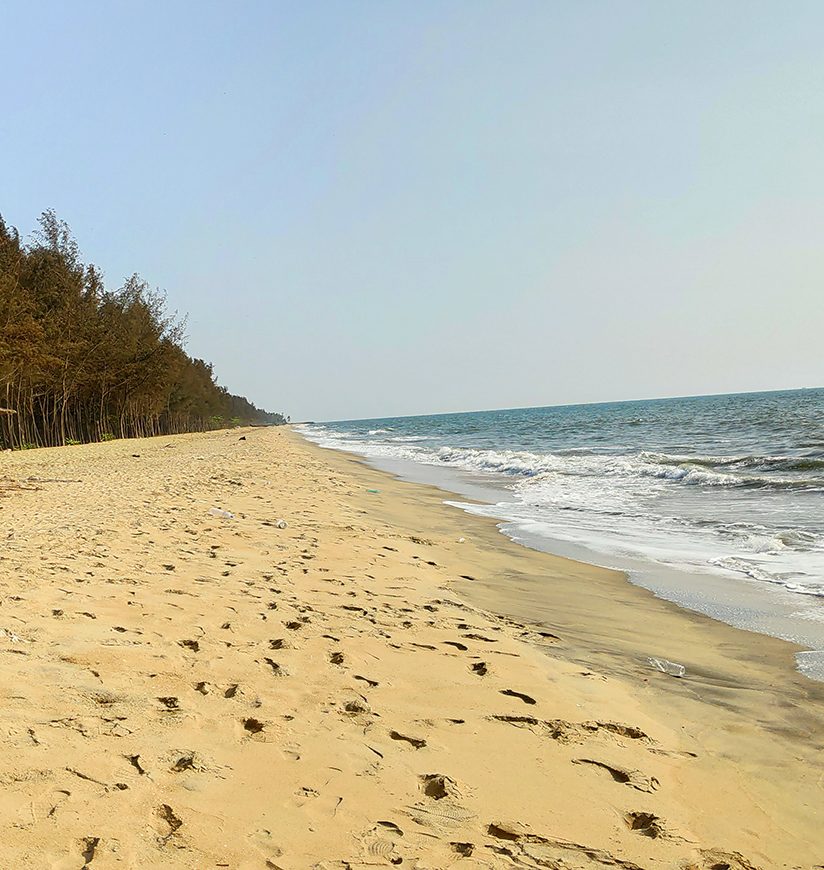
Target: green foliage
(79,362)
(72,442)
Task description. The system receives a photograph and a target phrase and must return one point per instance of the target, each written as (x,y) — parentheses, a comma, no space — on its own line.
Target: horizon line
(559,405)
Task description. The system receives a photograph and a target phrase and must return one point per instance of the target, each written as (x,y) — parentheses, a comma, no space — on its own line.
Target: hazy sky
(379,208)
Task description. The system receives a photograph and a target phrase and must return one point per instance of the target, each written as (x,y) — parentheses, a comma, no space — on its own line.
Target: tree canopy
(81,363)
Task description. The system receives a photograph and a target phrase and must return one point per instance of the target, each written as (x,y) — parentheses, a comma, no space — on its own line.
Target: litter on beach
(668,667)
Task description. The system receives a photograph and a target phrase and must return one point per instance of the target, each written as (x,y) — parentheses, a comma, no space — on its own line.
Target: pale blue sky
(378,208)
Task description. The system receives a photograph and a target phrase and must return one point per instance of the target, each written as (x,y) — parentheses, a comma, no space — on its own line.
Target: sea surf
(713,502)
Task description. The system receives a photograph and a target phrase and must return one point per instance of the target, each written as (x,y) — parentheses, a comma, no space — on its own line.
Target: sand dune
(184,690)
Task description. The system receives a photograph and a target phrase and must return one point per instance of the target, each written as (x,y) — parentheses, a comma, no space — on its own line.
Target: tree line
(81,363)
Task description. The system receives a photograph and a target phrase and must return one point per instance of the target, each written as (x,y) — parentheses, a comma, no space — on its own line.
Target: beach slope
(362,687)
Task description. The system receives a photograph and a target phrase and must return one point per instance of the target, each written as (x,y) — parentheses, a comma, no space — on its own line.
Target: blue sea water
(711,500)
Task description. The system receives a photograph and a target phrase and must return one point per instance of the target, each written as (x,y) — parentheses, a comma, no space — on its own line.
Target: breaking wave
(727,485)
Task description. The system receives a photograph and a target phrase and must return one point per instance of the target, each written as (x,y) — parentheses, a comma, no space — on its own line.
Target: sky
(376,208)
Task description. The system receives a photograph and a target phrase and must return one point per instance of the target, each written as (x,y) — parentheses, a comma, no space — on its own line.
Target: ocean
(713,502)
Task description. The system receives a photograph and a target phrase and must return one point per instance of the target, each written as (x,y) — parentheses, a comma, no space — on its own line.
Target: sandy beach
(386,681)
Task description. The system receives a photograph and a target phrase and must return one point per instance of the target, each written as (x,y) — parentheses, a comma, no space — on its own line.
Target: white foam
(614,505)
(811,663)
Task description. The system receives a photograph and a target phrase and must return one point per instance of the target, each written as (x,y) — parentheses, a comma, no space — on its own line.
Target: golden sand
(183,690)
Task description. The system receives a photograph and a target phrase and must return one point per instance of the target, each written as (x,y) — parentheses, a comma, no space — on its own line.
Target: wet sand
(182,690)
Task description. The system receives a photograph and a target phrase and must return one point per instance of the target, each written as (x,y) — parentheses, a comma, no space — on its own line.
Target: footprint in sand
(465,850)
(715,859)
(524,847)
(167,823)
(357,708)
(440,814)
(193,645)
(305,794)
(439,786)
(527,699)
(381,842)
(134,760)
(277,670)
(263,841)
(645,824)
(253,726)
(633,778)
(417,742)
(576,732)
(184,762)
(88,847)
(461,646)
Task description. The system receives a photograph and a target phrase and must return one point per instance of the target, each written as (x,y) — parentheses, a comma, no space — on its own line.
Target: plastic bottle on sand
(668,667)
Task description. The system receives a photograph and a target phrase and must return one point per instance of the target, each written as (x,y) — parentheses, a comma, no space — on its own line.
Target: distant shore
(383,680)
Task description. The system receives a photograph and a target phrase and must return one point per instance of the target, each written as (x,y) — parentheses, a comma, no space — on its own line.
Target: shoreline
(190,691)
(784,651)
(759,607)
(748,679)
